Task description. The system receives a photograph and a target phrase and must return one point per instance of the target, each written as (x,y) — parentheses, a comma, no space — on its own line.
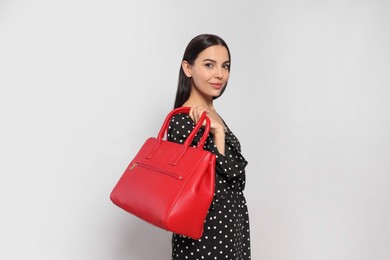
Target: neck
(192,102)
(198,99)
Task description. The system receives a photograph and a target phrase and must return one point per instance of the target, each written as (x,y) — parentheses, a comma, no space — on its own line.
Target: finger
(198,113)
(192,113)
(201,111)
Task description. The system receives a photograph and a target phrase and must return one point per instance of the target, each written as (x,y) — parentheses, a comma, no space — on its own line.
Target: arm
(229,165)
(217,128)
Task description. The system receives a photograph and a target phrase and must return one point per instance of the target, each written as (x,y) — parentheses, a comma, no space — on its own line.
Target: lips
(217,85)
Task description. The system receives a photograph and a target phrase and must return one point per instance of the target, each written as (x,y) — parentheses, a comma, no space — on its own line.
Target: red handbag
(170,185)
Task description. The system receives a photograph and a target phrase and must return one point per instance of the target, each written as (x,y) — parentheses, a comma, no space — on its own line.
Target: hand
(196,112)
(215,125)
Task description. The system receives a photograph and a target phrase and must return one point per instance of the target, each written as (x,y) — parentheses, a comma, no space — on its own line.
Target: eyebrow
(210,60)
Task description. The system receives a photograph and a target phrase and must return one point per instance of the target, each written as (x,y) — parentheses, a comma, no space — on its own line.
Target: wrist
(219,130)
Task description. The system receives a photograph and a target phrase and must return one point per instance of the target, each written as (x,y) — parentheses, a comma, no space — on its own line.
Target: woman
(203,77)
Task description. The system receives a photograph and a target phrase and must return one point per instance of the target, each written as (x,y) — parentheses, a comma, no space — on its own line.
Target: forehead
(217,53)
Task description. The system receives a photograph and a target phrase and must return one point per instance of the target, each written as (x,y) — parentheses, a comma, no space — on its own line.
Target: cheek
(202,76)
(226,76)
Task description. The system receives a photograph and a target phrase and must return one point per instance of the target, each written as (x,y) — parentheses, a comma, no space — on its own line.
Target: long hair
(194,47)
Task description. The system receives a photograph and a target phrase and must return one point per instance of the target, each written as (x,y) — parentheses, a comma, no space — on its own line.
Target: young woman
(203,77)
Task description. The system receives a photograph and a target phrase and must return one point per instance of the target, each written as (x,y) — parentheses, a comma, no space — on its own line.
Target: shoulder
(181,119)
(180,126)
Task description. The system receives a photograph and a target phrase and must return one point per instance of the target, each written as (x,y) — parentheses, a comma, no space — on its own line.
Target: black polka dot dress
(226,229)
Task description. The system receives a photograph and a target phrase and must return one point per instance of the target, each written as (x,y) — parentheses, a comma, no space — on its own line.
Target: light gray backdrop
(84,83)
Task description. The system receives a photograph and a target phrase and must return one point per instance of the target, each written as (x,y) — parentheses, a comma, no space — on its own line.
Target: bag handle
(191,136)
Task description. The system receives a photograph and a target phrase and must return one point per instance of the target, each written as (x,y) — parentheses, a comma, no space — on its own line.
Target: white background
(84,83)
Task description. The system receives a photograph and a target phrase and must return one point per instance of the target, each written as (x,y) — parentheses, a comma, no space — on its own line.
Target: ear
(186,68)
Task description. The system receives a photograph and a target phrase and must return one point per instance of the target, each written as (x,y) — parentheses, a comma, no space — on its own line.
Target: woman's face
(210,71)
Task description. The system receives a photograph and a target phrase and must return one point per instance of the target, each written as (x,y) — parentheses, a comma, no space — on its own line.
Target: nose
(219,73)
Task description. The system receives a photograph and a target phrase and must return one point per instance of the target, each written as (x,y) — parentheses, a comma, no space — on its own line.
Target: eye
(208,65)
(226,66)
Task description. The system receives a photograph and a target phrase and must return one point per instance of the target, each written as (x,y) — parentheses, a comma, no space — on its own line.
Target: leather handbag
(170,185)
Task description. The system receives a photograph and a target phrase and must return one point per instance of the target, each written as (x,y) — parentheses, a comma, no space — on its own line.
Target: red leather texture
(170,185)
